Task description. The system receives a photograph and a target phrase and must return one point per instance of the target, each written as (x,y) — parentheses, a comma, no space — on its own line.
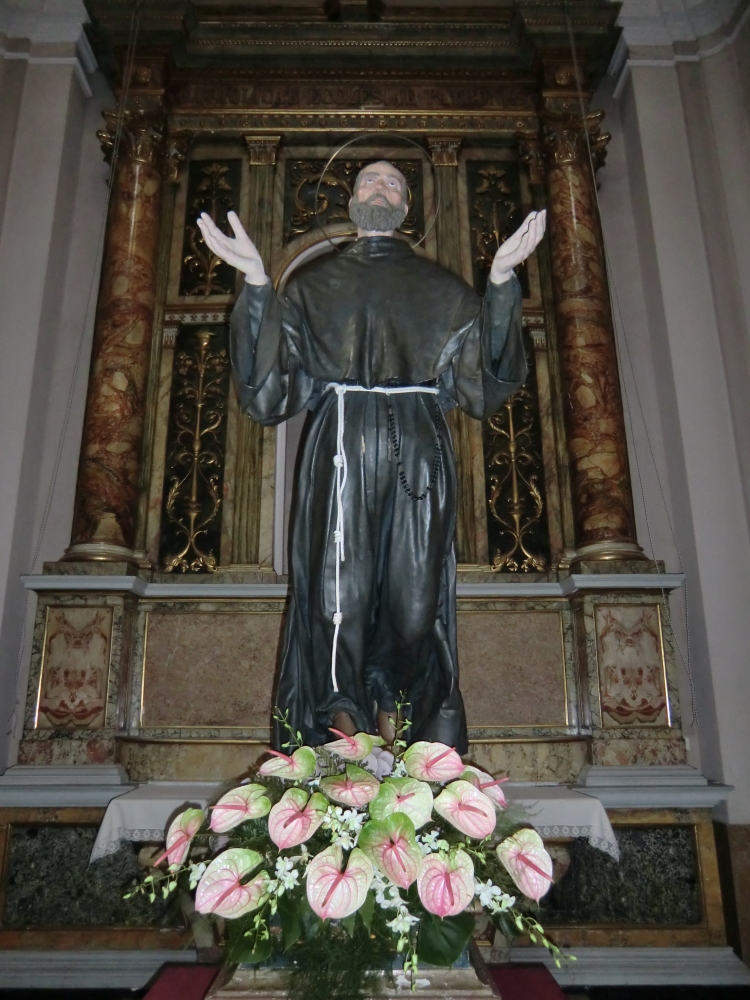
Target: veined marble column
(600,475)
(246,543)
(444,153)
(104,523)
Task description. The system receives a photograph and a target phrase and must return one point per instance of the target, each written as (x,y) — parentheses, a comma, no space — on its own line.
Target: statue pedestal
(247,983)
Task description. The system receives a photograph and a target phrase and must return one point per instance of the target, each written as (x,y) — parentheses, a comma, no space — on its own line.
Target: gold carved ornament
(513,464)
(336,187)
(195,459)
(515,499)
(214,196)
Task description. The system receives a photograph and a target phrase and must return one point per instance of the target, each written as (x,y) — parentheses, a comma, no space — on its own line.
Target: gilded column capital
(262,149)
(444,149)
(138,135)
(567,136)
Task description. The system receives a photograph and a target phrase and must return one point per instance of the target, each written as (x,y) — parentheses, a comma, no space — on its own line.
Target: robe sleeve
(491,362)
(265,333)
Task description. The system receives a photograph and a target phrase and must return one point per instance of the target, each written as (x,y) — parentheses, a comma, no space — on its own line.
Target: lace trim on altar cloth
(106,847)
(610,847)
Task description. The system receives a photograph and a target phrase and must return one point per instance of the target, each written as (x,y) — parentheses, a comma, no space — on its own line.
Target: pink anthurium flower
(446,884)
(334,894)
(405,795)
(527,862)
(245,802)
(353,747)
(392,845)
(296,817)
(486,783)
(432,762)
(356,787)
(468,809)
(221,891)
(299,767)
(181,831)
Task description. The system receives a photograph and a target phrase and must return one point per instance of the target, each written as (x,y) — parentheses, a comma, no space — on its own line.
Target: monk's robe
(376,314)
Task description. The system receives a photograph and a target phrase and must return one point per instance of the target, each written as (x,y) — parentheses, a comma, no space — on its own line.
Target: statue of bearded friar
(377,343)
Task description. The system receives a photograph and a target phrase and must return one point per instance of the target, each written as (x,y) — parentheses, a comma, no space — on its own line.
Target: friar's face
(379,203)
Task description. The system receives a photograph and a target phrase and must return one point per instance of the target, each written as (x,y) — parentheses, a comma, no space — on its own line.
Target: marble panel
(641,750)
(75,668)
(156,484)
(209,669)
(512,668)
(656,882)
(632,674)
(50,884)
(190,761)
(560,761)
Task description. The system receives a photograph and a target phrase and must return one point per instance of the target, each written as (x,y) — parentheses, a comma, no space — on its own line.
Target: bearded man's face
(379,201)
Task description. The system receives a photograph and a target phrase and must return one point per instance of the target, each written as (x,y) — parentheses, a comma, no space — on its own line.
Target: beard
(376,218)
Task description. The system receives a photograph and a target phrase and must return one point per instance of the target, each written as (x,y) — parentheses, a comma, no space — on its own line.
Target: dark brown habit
(376,314)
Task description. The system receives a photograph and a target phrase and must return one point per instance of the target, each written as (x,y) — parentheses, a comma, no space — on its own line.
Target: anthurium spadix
(446,883)
(528,863)
(296,817)
(299,767)
(468,809)
(356,787)
(486,783)
(405,795)
(181,831)
(391,844)
(243,803)
(353,747)
(332,893)
(221,890)
(432,762)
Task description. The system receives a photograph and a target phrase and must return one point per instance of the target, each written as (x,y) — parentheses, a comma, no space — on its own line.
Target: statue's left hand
(518,247)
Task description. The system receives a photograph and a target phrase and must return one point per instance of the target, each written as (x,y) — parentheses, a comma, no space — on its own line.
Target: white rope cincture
(342,471)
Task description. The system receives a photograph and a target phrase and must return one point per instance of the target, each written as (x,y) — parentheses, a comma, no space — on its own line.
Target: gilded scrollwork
(495,213)
(213,187)
(336,187)
(191,521)
(517,526)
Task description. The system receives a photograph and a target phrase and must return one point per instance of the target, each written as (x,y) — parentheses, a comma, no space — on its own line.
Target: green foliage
(339,962)
(442,941)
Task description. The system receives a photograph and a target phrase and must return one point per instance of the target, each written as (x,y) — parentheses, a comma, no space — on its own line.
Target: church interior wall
(56,192)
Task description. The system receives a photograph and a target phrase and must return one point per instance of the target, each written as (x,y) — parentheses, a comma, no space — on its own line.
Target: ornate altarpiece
(167,607)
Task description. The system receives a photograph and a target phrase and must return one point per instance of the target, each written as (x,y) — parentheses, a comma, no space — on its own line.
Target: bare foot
(387,725)
(343,721)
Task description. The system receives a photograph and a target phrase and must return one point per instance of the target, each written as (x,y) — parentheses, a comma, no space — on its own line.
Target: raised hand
(240,252)
(518,247)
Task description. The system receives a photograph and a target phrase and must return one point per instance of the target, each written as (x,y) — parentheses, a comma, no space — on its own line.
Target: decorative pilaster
(600,476)
(250,435)
(444,154)
(104,524)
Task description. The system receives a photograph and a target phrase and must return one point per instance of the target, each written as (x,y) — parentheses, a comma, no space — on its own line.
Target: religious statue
(377,342)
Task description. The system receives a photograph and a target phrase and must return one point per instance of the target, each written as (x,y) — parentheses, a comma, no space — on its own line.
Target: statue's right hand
(240,252)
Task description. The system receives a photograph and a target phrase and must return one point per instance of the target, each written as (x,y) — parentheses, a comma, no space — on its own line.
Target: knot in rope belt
(339,460)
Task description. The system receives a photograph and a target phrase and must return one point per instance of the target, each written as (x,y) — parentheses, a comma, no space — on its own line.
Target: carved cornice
(237,123)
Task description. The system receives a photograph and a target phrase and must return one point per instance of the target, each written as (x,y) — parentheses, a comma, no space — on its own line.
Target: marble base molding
(85,969)
(643,966)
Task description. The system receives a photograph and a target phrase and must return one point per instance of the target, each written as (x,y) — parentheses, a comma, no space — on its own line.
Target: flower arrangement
(346,855)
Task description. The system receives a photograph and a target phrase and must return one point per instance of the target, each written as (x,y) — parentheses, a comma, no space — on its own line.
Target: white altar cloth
(557,811)
(143,814)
